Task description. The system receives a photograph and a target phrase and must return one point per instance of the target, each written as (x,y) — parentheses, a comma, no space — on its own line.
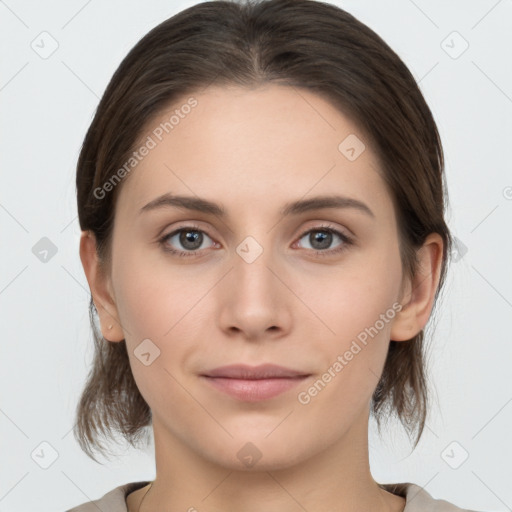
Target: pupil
(190,237)
(323,237)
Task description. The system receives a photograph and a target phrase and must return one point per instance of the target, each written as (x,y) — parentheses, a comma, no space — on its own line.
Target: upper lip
(262,371)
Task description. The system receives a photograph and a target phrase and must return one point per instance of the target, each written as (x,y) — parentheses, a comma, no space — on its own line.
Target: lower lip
(254,390)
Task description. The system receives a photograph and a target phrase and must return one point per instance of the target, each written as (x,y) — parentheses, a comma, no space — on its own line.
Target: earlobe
(99,285)
(419,300)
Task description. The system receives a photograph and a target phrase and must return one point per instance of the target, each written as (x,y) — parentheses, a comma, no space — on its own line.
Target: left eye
(322,237)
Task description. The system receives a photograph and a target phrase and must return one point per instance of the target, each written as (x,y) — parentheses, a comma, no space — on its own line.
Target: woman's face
(256,285)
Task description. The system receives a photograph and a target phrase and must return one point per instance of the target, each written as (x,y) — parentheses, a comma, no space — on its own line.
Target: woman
(261,197)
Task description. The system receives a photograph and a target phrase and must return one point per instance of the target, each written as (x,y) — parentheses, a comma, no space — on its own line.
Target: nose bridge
(252,260)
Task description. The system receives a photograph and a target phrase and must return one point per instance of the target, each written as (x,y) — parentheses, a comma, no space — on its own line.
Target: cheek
(158,306)
(350,298)
(153,296)
(357,306)
(159,303)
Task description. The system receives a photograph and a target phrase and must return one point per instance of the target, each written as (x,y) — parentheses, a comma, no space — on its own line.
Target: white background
(46,107)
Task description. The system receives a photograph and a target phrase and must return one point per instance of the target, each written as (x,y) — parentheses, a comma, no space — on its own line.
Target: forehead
(255,146)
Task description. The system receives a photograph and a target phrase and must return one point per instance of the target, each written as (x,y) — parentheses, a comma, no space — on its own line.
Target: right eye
(189,237)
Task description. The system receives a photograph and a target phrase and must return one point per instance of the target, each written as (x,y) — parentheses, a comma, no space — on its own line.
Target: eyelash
(347,241)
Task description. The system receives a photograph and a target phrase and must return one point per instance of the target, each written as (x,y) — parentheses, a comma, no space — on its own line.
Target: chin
(255,453)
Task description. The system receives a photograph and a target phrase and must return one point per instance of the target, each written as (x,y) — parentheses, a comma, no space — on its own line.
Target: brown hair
(301,43)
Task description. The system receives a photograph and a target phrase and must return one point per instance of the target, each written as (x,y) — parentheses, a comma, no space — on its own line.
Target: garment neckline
(398,489)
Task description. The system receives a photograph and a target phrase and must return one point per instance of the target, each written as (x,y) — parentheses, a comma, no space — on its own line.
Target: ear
(419,292)
(101,289)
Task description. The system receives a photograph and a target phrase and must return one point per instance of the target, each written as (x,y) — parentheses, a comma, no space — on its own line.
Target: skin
(253,150)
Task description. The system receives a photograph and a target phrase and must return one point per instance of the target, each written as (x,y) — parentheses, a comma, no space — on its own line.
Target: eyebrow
(293,208)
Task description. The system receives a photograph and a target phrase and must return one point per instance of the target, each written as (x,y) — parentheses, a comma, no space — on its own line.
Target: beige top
(416,499)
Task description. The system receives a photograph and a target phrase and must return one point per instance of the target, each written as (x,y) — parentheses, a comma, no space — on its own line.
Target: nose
(253,300)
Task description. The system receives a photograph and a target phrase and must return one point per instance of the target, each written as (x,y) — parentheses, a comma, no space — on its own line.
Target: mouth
(252,384)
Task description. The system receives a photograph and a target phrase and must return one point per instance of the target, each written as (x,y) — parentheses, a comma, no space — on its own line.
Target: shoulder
(113,501)
(418,499)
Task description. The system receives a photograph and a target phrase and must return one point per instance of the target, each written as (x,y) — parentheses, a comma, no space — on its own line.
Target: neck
(337,478)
